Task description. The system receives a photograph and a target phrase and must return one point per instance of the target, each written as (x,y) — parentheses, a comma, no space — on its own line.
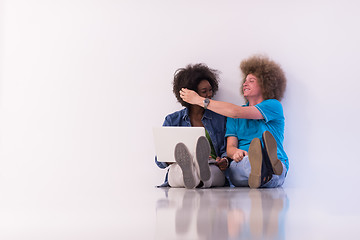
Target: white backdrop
(84,82)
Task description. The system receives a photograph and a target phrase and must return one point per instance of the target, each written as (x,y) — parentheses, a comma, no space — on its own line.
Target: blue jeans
(239,174)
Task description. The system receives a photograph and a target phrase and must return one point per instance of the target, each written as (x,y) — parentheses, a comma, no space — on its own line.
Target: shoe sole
(271,149)
(183,158)
(255,158)
(202,158)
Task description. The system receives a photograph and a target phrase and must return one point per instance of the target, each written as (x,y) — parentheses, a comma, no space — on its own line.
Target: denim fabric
(160,164)
(239,174)
(214,123)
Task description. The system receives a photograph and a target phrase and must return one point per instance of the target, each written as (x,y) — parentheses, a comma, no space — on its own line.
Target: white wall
(84,82)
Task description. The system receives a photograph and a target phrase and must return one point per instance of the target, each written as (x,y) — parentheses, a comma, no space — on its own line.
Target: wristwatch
(206,103)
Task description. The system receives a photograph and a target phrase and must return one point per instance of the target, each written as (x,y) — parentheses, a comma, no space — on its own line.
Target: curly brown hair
(270,75)
(190,77)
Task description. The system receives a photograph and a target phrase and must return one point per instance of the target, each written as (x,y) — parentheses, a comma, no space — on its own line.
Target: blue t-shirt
(247,129)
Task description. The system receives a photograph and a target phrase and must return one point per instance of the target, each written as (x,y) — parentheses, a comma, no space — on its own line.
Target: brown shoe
(255,158)
(271,150)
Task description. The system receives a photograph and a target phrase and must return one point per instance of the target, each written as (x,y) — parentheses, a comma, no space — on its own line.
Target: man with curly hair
(193,169)
(254,131)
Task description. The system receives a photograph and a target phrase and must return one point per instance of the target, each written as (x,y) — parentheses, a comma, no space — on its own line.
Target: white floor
(170,213)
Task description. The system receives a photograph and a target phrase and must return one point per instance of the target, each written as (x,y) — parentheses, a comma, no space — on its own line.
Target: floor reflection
(222,213)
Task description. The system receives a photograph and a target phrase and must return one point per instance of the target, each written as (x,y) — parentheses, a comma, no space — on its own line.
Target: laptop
(166,138)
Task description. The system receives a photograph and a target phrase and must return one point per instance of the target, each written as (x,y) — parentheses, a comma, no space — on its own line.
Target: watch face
(206,102)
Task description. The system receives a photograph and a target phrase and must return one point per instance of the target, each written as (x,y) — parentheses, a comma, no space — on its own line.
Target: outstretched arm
(223,108)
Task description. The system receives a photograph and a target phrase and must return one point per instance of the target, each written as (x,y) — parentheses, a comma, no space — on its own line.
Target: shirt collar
(186,114)
(207,114)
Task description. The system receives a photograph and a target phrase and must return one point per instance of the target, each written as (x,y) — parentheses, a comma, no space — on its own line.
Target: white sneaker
(202,153)
(184,160)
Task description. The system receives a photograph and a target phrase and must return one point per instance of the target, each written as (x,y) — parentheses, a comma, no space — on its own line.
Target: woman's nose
(208,94)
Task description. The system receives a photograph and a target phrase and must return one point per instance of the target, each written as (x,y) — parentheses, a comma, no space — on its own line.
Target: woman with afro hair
(204,168)
(254,131)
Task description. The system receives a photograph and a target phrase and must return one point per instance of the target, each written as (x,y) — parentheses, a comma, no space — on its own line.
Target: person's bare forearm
(230,151)
(223,108)
(233,151)
(231,110)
